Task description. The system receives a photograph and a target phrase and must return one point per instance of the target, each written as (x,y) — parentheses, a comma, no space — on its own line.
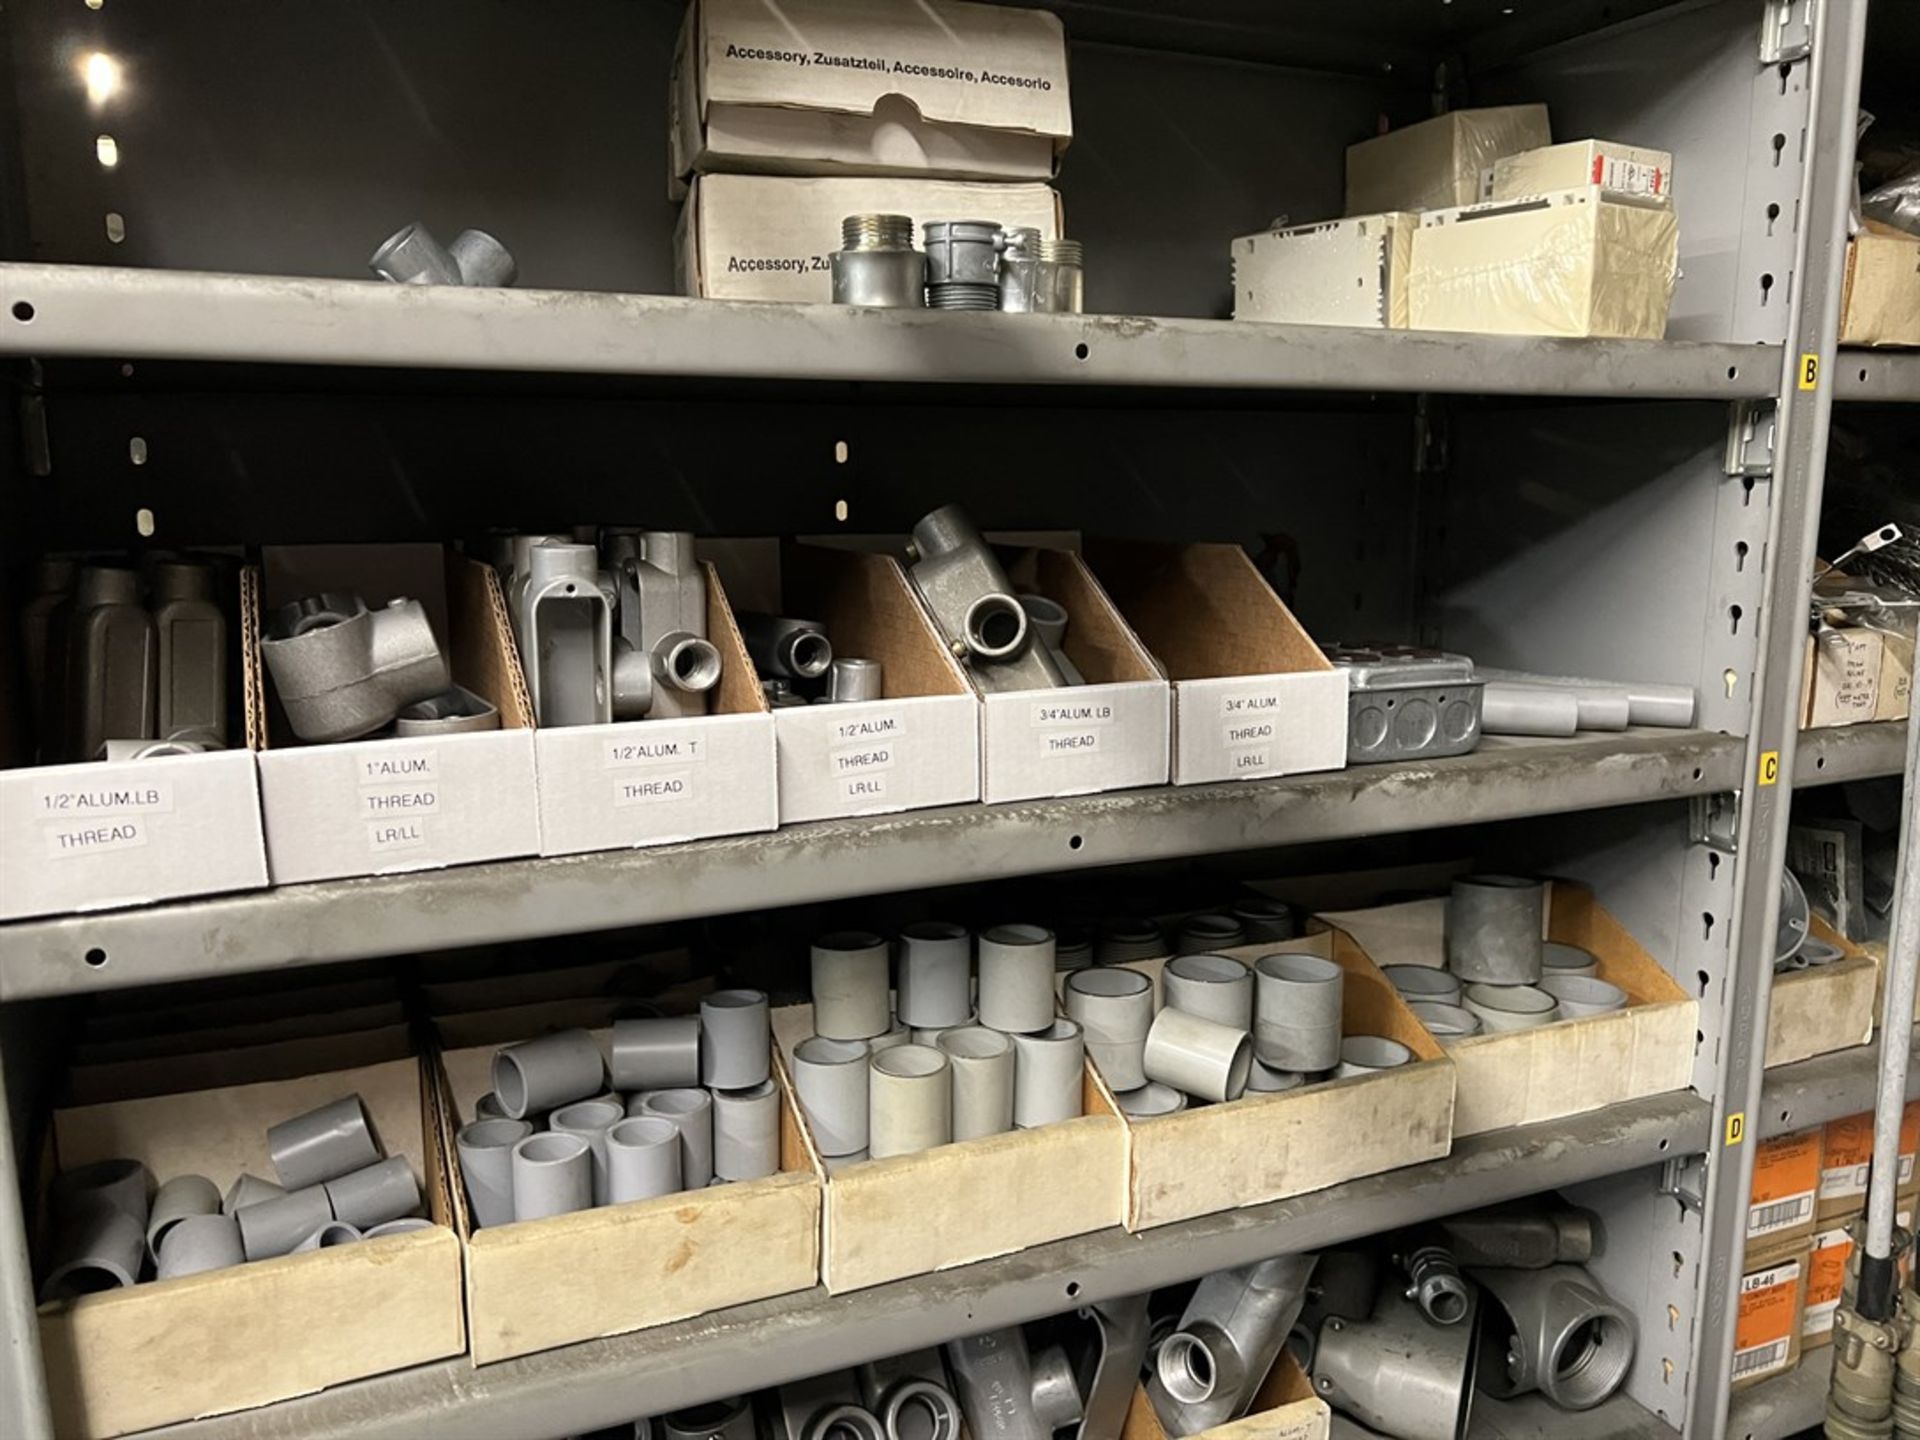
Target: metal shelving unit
(1849,752)
(1881,376)
(1785,1406)
(1827,1087)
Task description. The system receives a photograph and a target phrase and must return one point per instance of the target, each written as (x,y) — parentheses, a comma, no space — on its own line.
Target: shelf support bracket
(1786,32)
(1685,1179)
(1714,821)
(1750,427)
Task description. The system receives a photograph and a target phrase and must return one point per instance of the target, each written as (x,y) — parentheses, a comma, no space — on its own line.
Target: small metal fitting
(1435,1284)
(1554,1331)
(343,671)
(563,621)
(1229,1336)
(967,593)
(786,649)
(457,711)
(730,1419)
(662,608)
(411,256)
(1396,1373)
(1040,276)
(1525,1235)
(963,261)
(993,1378)
(1107,1362)
(827,1407)
(854,679)
(876,264)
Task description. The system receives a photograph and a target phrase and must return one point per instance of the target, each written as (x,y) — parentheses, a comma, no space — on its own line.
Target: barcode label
(1781,1215)
(1761,1357)
(1628,177)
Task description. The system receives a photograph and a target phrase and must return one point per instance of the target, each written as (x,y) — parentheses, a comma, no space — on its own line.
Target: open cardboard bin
(971,1200)
(225,1340)
(372,807)
(654,782)
(1284,1408)
(538,1284)
(1253,697)
(1569,1067)
(1825,1007)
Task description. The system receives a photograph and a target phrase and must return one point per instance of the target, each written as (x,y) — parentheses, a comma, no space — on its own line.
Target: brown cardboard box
(1284,1408)
(1786,1188)
(1840,684)
(1846,1151)
(1824,1007)
(1773,1294)
(1880,303)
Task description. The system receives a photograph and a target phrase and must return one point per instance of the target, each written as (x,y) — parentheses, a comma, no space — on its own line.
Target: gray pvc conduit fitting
(746,1132)
(411,256)
(1206,1060)
(1558,958)
(830,1078)
(124,1185)
(784,649)
(1199,934)
(1265,1080)
(457,711)
(850,999)
(1114,1009)
(1214,987)
(993,1379)
(1503,1008)
(1527,710)
(375,1195)
(836,1163)
(313,1148)
(936,967)
(1298,1005)
(730,1419)
(1583,995)
(1423,982)
(736,1049)
(1364,1054)
(1072,950)
(930,1034)
(1554,1331)
(98,1246)
(643,1159)
(1397,1372)
(591,1120)
(343,671)
(1049,1075)
(983,1066)
(544,1074)
(1145,1101)
(1445,1022)
(1264,919)
(180,1197)
(691,1112)
(909,1101)
(853,679)
(486,1164)
(898,1035)
(656,1054)
(328,1236)
(405,1225)
(249,1190)
(1016,979)
(482,260)
(1493,929)
(1230,1334)
(1128,938)
(552,1175)
(199,1243)
(273,1227)
(488,1107)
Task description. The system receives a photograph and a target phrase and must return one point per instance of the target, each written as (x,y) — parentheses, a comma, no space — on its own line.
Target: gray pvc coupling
(1264,919)
(1016,979)
(180,1197)
(1446,1023)
(850,999)
(1364,1054)
(1206,1060)
(909,1101)
(830,1078)
(898,1035)
(1504,1008)
(1049,1075)
(486,1164)
(656,1054)
(544,1074)
(1397,1372)
(274,1227)
(736,1051)
(552,1175)
(1493,929)
(124,1185)
(343,671)
(198,1243)
(1423,982)
(1207,1371)
(98,1246)
(1214,987)
(457,711)
(1583,995)
(1265,1080)
(375,1195)
(1557,958)
(249,1190)
(1127,938)
(643,1159)
(983,1067)
(1298,1006)
(1199,934)
(405,1225)
(1558,1332)
(488,1107)
(313,1148)
(1114,1009)
(746,1132)
(691,1112)
(936,967)
(327,1236)
(591,1120)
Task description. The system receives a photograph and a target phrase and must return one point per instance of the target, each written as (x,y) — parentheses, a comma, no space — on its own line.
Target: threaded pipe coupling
(876,232)
(963,264)
(876,264)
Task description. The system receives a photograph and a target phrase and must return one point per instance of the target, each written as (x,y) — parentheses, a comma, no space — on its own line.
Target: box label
(410,767)
(1786,1179)
(399,788)
(678,750)
(1071,714)
(386,835)
(87,802)
(861,760)
(1763,1328)
(650,789)
(861,789)
(384,801)
(67,839)
(1628,177)
(1069,742)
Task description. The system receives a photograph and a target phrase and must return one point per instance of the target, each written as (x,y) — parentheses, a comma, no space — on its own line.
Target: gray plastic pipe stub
(485,1148)
(540,1075)
(691,1111)
(850,996)
(736,1039)
(328,1236)
(643,1159)
(1016,978)
(552,1175)
(273,1227)
(1049,1075)
(180,1197)
(314,1148)
(830,1079)
(746,1132)
(97,1246)
(249,1190)
(376,1194)
(657,1053)
(590,1120)
(1298,1005)
(197,1243)
(936,969)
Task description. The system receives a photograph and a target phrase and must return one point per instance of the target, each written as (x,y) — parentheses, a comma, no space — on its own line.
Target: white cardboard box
(374,807)
(917,747)
(1342,272)
(653,782)
(869,87)
(1621,171)
(1438,162)
(768,237)
(1253,697)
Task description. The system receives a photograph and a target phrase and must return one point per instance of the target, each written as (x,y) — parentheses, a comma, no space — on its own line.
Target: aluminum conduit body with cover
(563,621)
(662,604)
(1106,1361)
(1396,1372)
(970,599)
(876,264)
(1207,1371)
(994,1380)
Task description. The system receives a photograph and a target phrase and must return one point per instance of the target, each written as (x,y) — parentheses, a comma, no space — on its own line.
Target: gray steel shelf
(475,904)
(1886,376)
(1530,1417)
(124,314)
(1785,1405)
(1812,1092)
(603,1382)
(1850,752)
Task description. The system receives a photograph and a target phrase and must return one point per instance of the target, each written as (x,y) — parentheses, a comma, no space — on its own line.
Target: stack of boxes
(1475,221)
(786,118)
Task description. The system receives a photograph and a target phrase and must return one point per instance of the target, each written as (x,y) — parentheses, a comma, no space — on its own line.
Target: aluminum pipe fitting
(1126,939)
(248,1190)
(273,1227)
(1049,1075)
(1396,1372)
(1365,1054)
(850,994)
(909,1101)
(643,1159)
(1206,1060)
(111,660)
(486,1165)
(1435,1284)
(536,1076)
(327,1236)
(343,671)
(691,1112)
(1522,1236)
(910,1396)
(936,969)
(983,1065)
(1554,1331)
(785,649)
(322,1144)
(483,260)
(563,622)
(1143,1102)
(963,264)
(151,749)
(1199,934)
(199,1243)
(853,679)
(746,1132)
(1503,1008)
(1016,979)
(876,264)
(1423,982)
(1040,276)
(1114,1009)
(591,1120)
(993,1380)
(830,1079)
(1230,1334)
(736,1047)
(827,1407)
(1048,621)
(411,256)
(1493,929)
(659,1053)
(968,594)
(1264,919)
(730,1419)
(1056,1394)
(457,711)
(1298,1005)
(190,629)
(1214,987)
(552,1175)
(1109,1358)
(180,1197)
(662,608)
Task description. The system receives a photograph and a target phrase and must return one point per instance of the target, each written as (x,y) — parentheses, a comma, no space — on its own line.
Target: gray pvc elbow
(343,671)
(1207,1371)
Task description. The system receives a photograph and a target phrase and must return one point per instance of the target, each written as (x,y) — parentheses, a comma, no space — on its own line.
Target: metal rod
(25,1413)
(1896,1024)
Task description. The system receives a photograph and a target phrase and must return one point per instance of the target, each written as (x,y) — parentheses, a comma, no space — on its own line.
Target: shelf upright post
(24,1410)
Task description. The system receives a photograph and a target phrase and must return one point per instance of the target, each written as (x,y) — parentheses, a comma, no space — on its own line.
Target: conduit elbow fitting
(412,256)
(1554,1331)
(784,649)
(457,711)
(343,671)
(1395,1372)
(662,603)
(564,623)
(1229,1336)
(970,599)
(993,1378)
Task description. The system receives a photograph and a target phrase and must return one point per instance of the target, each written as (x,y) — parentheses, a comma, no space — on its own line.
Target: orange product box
(1766,1329)
(1786,1186)
(1846,1150)
(1827,1278)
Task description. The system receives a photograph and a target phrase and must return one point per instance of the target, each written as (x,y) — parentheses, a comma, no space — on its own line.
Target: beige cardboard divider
(1253,696)
(975,1199)
(1262,1147)
(1824,1007)
(539,1284)
(228,1340)
(1284,1408)
(238,1065)
(657,782)
(1572,1066)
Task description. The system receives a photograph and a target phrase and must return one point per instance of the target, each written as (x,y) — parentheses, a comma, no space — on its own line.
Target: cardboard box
(330,808)
(869,87)
(1111,733)
(538,1284)
(1438,162)
(1623,172)
(1895,697)
(1846,1155)
(1786,1189)
(768,237)
(1342,272)
(1840,683)
(972,1200)
(228,1340)
(1827,1277)
(1284,1408)
(1567,1068)
(920,745)
(1880,296)
(1253,696)
(1265,1147)
(1567,263)
(1766,1333)
(657,782)
(1823,1008)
